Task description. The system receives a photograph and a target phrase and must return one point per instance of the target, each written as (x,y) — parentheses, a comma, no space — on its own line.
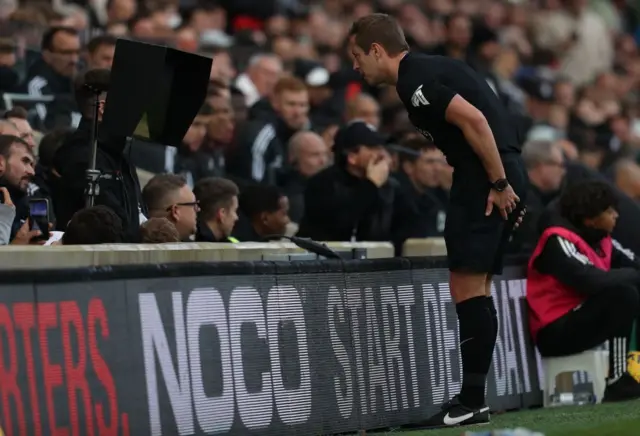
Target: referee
(455,108)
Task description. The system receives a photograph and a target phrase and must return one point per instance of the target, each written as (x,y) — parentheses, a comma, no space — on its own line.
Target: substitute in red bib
(582,286)
(454,107)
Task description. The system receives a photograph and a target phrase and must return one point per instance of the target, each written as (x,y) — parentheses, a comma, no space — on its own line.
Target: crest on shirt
(418,98)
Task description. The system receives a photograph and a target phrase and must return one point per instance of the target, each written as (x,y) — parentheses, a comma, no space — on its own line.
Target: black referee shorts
(477,243)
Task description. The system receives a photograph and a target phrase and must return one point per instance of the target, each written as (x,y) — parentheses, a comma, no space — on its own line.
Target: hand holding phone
(39,216)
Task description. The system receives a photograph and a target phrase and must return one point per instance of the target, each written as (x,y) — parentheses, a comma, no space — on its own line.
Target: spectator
(120,188)
(539,105)
(221,132)
(46,177)
(16,171)
(94,225)
(424,214)
(222,68)
(120,11)
(8,128)
(578,38)
(262,74)
(190,159)
(7,216)
(308,155)
(9,78)
(325,103)
(158,231)
(266,210)
(582,286)
(458,33)
(53,75)
(354,198)
(169,196)
(100,52)
(18,117)
(238,105)
(627,178)
(546,169)
(218,199)
(365,108)
(260,152)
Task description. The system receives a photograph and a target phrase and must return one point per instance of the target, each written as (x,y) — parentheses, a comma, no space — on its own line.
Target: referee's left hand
(505,201)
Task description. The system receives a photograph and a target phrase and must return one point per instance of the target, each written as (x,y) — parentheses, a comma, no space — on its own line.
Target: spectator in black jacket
(546,169)
(308,155)
(100,52)
(16,171)
(354,198)
(221,133)
(53,75)
(190,159)
(458,34)
(119,186)
(46,179)
(582,285)
(260,148)
(218,199)
(425,213)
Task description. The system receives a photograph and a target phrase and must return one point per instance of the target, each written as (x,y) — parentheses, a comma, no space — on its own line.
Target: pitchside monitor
(155,92)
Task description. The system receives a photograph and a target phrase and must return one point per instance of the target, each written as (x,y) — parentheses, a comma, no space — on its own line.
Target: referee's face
(366,64)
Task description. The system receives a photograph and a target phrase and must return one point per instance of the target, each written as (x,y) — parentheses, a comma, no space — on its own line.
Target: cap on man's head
(538,88)
(358,133)
(312,73)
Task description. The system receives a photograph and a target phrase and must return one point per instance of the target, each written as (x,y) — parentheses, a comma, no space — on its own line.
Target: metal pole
(92,174)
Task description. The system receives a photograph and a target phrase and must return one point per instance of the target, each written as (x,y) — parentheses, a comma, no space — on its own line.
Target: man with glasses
(53,74)
(169,196)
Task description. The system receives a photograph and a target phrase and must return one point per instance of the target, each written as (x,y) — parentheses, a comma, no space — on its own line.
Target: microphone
(308,244)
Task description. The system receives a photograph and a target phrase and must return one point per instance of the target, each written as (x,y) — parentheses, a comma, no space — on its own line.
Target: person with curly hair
(582,285)
(158,231)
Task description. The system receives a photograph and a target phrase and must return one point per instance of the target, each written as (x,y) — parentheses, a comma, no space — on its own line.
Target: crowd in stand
(289,139)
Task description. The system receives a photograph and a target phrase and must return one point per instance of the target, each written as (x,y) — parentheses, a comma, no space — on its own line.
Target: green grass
(618,419)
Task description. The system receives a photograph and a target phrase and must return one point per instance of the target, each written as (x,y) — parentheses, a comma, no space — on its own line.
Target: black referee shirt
(427,84)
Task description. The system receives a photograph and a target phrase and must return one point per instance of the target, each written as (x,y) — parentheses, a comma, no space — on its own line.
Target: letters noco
(206,351)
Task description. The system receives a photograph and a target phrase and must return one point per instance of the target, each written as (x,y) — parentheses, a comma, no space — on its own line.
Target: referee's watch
(500,185)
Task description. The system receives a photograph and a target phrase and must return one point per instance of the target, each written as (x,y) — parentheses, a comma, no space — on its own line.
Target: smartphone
(39,216)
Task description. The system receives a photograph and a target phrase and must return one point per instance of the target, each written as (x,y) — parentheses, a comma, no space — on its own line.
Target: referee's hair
(586,200)
(381,29)
(537,152)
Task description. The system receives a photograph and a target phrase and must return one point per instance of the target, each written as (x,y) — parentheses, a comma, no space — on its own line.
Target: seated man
(218,214)
(264,211)
(582,286)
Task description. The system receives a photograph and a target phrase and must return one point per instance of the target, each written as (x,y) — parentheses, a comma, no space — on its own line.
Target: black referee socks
(477,339)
